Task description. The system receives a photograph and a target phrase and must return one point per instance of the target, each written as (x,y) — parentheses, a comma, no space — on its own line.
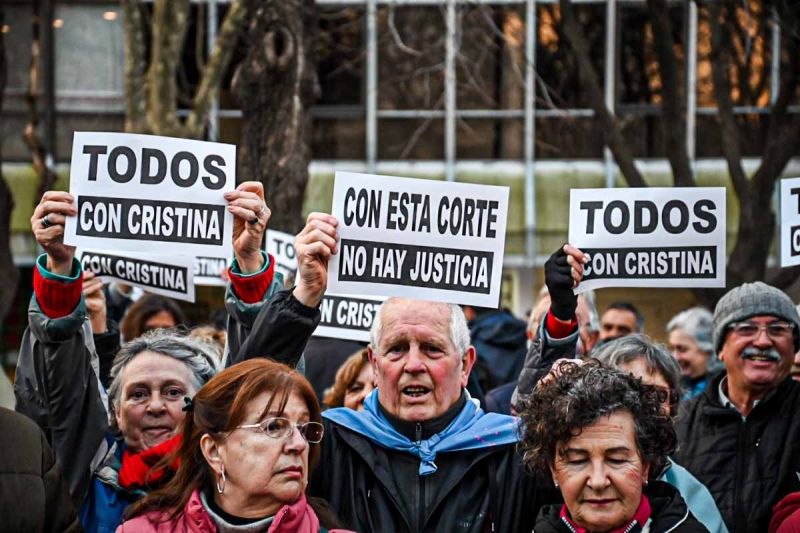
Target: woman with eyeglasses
(250,439)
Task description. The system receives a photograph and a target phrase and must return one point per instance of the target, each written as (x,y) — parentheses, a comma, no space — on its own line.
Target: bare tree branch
(214,70)
(613,135)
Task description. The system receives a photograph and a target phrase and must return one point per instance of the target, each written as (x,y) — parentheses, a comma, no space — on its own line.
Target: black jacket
(748,465)
(34,496)
(668,513)
(501,342)
(469,486)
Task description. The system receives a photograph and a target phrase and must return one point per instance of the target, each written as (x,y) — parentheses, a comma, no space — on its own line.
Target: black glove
(558,277)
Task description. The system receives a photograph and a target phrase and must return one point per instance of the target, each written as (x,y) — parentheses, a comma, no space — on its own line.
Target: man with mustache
(741,436)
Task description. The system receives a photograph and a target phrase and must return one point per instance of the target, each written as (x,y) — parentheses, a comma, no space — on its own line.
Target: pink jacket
(299,518)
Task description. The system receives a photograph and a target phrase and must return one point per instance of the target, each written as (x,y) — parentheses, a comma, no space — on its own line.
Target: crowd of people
(450,419)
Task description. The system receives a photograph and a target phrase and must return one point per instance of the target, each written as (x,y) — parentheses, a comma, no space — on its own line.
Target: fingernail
(230,208)
(228,195)
(70,198)
(586,259)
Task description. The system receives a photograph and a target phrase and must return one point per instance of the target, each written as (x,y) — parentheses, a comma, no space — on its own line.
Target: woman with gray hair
(653,364)
(691,345)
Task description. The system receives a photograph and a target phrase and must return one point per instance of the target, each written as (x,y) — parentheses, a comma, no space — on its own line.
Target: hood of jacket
(499,329)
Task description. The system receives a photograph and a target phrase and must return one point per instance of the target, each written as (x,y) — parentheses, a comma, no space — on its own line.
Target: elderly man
(421,456)
(741,436)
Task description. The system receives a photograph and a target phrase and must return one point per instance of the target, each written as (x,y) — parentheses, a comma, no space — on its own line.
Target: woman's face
(692,359)
(638,368)
(263,473)
(150,407)
(162,319)
(358,390)
(601,473)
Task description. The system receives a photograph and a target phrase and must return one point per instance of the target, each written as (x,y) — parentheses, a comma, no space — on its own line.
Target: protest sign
(280,246)
(650,237)
(418,239)
(347,317)
(208,270)
(790,222)
(159,194)
(171,276)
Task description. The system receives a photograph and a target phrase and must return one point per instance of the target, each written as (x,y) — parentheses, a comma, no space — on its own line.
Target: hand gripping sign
(650,237)
(156,194)
(790,222)
(419,239)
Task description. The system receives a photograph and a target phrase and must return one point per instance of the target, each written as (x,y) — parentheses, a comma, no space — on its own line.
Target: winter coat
(195,518)
(500,342)
(34,497)
(750,464)
(58,386)
(668,514)
(471,492)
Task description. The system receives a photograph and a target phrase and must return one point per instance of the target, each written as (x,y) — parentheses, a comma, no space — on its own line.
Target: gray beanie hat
(749,300)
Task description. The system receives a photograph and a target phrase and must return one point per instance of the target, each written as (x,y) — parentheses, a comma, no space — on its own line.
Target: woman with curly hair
(599,431)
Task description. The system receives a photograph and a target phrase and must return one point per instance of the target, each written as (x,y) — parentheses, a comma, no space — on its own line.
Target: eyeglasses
(667,395)
(281,428)
(775,330)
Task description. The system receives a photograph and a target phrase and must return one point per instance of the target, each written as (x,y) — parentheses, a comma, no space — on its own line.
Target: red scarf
(136,467)
(641,517)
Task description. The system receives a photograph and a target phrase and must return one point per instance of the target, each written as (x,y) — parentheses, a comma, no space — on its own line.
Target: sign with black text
(280,246)
(347,317)
(790,222)
(415,238)
(159,194)
(171,276)
(650,237)
(208,271)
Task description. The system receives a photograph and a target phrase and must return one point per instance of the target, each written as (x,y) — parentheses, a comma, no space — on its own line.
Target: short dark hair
(578,397)
(146,307)
(627,306)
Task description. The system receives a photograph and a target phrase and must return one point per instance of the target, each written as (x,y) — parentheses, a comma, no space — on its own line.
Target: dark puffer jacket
(34,496)
(748,465)
(668,513)
(501,343)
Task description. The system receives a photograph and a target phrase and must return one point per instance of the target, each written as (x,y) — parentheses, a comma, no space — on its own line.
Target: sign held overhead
(650,237)
(127,189)
(419,239)
(171,276)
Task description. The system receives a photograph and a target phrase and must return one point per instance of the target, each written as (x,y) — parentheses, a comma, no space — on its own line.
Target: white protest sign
(171,276)
(280,246)
(207,271)
(418,239)
(347,317)
(650,237)
(159,194)
(790,222)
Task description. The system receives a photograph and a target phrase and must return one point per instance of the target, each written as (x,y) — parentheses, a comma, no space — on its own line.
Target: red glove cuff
(251,289)
(558,329)
(56,299)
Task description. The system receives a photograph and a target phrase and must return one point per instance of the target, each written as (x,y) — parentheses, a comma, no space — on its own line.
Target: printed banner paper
(650,237)
(421,239)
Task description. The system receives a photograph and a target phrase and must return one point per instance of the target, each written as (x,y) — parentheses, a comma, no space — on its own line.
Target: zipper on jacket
(418,432)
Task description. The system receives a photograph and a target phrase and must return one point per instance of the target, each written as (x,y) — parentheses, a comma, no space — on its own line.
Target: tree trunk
(8,271)
(275,85)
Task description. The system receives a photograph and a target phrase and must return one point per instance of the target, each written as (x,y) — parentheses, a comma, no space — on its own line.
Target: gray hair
(591,303)
(695,322)
(657,358)
(459,331)
(199,356)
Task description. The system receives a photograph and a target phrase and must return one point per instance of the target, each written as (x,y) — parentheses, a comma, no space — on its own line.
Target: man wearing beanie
(741,436)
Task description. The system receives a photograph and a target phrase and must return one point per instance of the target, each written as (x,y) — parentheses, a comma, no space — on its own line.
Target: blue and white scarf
(472,429)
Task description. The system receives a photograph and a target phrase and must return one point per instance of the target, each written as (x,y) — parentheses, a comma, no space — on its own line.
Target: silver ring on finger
(46,221)
(262,210)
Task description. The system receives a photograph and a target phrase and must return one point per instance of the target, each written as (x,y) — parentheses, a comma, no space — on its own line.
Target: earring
(646,482)
(555,483)
(221,489)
